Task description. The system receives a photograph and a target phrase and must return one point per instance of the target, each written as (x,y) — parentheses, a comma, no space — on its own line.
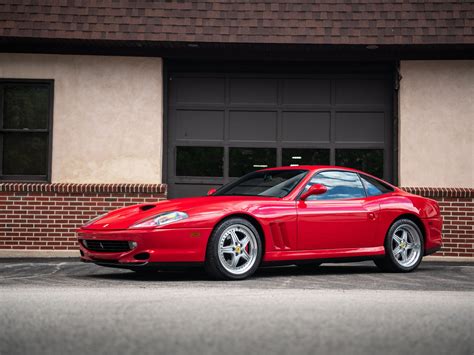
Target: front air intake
(106,246)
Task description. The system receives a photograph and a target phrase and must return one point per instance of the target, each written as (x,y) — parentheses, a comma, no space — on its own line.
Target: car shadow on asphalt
(198,274)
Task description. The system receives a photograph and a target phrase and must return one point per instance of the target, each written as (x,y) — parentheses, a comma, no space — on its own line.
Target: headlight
(88,223)
(160,220)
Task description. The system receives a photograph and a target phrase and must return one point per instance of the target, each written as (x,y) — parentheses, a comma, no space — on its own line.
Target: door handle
(372,216)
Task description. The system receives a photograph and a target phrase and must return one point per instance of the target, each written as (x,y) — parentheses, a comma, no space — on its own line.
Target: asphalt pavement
(67,307)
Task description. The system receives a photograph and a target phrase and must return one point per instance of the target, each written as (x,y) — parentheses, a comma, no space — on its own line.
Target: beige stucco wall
(436,123)
(107,120)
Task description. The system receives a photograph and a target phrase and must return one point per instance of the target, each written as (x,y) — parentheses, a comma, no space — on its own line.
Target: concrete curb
(15,253)
(449,259)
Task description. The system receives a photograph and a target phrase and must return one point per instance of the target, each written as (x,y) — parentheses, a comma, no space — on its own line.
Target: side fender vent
(280,236)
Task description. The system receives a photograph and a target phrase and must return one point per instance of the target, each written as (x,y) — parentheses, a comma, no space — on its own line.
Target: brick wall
(457,209)
(45,216)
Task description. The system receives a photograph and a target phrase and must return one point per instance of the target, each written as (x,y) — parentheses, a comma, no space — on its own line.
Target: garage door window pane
(245,160)
(368,160)
(296,157)
(199,161)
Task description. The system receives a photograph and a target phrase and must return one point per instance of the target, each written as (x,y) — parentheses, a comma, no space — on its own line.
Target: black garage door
(223,125)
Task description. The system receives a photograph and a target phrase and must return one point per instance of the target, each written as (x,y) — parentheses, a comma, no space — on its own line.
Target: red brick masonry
(45,216)
(457,208)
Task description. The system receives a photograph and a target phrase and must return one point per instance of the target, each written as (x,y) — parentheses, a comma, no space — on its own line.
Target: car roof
(313,168)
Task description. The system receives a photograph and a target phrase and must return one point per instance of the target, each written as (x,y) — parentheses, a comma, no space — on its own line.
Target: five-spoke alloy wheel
(406,245)
(234,250)
(403,247)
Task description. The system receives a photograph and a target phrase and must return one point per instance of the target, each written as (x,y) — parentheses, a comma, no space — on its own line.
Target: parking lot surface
(61,306)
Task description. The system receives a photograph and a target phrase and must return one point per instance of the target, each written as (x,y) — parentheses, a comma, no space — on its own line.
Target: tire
(404,247)
(234,250)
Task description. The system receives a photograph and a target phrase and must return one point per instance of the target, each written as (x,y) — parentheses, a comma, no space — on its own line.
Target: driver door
(340,218)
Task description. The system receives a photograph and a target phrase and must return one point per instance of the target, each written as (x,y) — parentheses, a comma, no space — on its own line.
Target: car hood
(125,217)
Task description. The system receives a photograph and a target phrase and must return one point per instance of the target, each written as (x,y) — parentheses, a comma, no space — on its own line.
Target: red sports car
(303,215)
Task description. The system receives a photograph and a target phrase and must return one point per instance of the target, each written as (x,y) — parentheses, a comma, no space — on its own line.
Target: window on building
(25,129)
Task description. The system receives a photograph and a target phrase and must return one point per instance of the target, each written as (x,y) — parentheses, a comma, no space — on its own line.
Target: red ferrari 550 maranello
(303,215)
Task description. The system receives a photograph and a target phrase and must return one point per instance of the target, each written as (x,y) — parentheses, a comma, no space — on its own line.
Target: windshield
(271,183)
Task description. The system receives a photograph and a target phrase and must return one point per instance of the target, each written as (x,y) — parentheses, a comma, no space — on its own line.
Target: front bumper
(143,265)
(180,245)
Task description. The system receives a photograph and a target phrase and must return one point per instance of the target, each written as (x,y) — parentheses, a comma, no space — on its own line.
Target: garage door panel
(360,92)
(253,126)
(199,90)
(255,91)
(224,125)
(306,92)
(199,125)
(306,126)
(360,127)
(193,189)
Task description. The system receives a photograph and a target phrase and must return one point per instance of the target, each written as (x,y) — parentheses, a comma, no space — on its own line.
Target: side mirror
(316,189)
(211,192)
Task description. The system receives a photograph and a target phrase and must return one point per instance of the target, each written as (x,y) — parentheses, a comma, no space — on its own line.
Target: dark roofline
(237,51)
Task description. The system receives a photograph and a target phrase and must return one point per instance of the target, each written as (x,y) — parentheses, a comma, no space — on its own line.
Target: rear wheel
(234,250)
(403,247)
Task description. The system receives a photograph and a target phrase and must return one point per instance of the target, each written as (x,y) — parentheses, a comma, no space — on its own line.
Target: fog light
(84,242)
(142,256)
(132,245)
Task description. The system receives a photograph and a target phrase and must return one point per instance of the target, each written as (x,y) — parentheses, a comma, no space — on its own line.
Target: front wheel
(234,250)
(403,247)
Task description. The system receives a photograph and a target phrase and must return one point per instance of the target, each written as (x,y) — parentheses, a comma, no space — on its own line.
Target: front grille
(107,246)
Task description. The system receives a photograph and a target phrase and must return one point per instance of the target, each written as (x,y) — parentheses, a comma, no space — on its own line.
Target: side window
(374,187)
(340,185)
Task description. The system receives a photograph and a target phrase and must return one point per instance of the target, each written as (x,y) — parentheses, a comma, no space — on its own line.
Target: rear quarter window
(374,187)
